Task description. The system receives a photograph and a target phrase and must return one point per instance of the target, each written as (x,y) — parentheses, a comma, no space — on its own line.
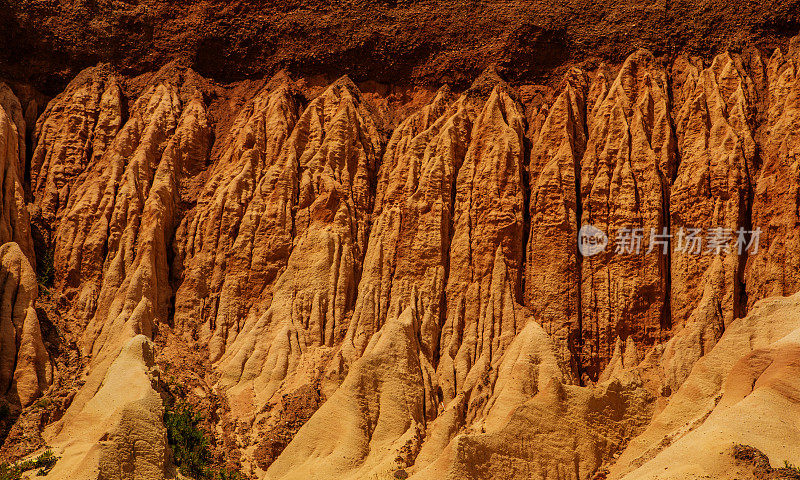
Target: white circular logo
(591,240)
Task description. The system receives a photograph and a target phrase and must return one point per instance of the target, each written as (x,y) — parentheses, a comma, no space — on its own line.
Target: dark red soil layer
(46,42)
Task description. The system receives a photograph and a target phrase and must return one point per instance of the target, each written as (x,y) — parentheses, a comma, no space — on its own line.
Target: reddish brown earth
(377,275)
(47,42)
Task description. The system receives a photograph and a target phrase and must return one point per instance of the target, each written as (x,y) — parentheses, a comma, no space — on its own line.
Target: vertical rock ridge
(332,157)
(13,110)
(112,250)
(410,236)
(71,135)
(486,252)
(776,200)
(25,368)
(552,270)
(14,218)
(225,266)
(135,293)
(98,229)
(625,175)
(711,191)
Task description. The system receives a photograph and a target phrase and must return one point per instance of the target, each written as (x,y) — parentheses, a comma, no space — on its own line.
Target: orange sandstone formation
(355,281)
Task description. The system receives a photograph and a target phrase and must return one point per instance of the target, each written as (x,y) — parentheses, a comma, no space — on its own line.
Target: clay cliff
(338,278)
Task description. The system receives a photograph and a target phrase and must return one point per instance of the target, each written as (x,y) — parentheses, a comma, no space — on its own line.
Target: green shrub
(9,472)
(44,462)
(225,474)
(45,270)
(190,447)
(188,442)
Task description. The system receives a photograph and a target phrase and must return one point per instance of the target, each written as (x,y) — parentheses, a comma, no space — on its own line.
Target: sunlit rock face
(357,281)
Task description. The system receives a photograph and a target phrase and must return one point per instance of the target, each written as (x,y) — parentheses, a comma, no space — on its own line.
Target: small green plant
(190,447)
(43,403)
(44,462)
(791,466)
(45,270)
(188,442)
(225,474)
(9,472)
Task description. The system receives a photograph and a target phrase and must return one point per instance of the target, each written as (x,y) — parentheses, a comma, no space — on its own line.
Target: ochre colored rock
(710,193)
(359,281)
(15,223)
(236,241)
(329,162)
(113,429)
(374,423)
(25,368)
(135,293)
(486,251)
(72,134)
(112,242)
(625,178)
(740,392)
(552,269)
(550,430)
(407,256)
(776,268)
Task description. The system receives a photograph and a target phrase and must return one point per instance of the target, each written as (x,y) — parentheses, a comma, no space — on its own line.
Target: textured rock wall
(552,271)
(776,190)
(233,244)
(486,251)
(625,177)
(72,135)
(712,190)
(111,246)
(407,257)
(422,276)
(14,222)
(25,368)
(328,163)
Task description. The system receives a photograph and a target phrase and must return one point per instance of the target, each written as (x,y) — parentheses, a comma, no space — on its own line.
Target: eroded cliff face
(74,131)
(26,371)
(361,283)
(776,187)
(625,176)
(232,245)
(15,224)
(25,367)
(552,273)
